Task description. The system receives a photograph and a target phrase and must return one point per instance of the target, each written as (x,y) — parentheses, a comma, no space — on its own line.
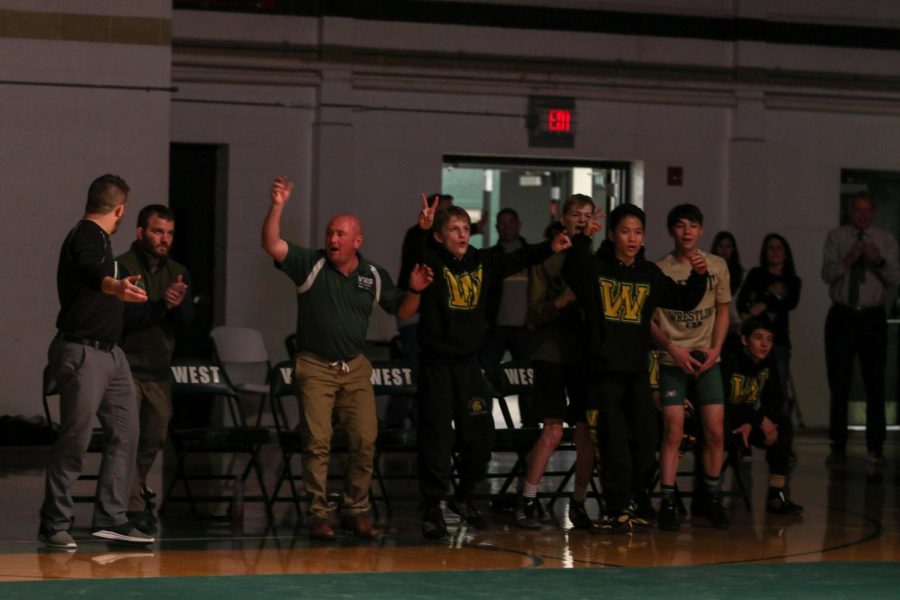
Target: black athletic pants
(624,424)
(453,394)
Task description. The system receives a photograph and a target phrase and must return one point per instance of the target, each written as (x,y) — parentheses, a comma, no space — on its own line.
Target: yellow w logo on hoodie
(623,301)
(465,288)
(746,390)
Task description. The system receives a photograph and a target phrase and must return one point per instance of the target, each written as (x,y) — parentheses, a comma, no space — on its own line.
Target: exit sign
(551,122)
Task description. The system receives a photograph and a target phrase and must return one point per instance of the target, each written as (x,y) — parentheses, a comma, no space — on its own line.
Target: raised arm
(272,241)
(420,278)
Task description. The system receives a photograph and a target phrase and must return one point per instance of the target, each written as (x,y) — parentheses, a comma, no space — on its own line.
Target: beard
(157,250)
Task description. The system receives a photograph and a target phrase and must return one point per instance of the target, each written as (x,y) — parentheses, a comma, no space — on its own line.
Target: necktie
(857,275)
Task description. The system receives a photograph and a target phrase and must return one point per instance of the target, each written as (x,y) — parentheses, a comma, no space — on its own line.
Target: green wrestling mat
(797,580)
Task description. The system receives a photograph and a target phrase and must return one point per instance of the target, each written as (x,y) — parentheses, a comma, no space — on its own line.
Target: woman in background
(773,289)
(725,246)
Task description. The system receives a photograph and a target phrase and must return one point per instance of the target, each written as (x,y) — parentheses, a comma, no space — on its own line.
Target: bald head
(343,237)
(349,221)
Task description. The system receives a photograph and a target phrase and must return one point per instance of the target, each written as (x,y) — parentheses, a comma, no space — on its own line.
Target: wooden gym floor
(852,514)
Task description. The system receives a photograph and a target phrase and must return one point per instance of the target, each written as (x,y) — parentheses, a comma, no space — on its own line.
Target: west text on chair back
(204,378)
(516,378)
(393,378)
(285,411)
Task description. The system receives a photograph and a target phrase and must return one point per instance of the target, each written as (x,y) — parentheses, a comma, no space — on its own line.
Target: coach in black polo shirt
(337,289)
(92,374)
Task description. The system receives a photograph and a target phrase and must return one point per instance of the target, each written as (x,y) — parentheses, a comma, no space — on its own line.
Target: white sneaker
(126,532)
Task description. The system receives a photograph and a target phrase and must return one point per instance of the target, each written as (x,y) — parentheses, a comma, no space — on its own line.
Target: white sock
(529,490)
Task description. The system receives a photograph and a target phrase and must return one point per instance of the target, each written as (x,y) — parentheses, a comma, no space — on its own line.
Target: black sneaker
(637,523)
(613,524)
(778,504)
(125,533)
(528,513)
(144,520)
(642,508)
(667,520)
(717,516)
(876,458)
(579,516)
(468,512)
(433,525)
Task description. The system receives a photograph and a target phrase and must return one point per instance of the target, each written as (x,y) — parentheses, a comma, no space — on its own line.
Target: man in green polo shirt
(336,291)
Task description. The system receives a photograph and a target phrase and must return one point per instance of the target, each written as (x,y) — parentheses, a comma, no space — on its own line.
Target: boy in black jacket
(619,291)
(754,406)
(451,333)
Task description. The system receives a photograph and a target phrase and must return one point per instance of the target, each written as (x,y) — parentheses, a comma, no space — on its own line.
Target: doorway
(197,185)
(534,188)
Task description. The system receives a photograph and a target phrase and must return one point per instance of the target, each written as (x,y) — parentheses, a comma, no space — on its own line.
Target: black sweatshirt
(752,390)
(453,322)
(84,260)
(756,289)
(619,301)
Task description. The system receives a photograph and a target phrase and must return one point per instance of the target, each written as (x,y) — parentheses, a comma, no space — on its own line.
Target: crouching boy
(754,407)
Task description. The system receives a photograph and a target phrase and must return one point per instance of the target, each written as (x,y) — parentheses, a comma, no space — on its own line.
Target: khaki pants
(344,389)
(155,402)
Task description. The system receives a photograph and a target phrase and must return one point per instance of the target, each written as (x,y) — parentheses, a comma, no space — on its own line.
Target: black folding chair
(201,378)
(393,378)
(516,378)
(281,387)
(692,442)
(281,381)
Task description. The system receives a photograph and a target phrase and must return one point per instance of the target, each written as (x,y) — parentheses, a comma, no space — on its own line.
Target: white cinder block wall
(70,110)
(367,135)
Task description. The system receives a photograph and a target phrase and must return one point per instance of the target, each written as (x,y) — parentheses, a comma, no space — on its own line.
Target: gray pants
(91,381)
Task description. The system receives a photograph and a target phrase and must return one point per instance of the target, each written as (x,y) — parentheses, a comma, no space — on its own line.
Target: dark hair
(788,270)
(152,210)
(622,211)
(443,217)
(440,197)
(684,211)
(105,194)
(735,268)
(576,200)
(553,229)
(753,323)
(506,211)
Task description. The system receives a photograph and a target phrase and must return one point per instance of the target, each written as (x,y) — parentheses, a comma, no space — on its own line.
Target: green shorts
(675,386)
